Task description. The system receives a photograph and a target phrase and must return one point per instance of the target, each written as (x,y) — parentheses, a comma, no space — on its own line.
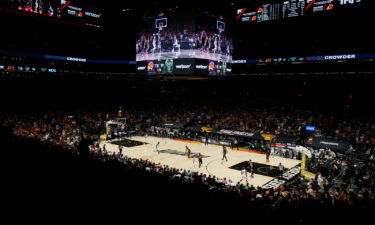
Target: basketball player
(153,45)
(188,151)
(120,149)
(209,45)
(176,46)
(281,170)
(224,153)
(143,44)
(138,47)
(203,40)
(272,151)
(159,49)
(236,144)
(219,44)
(37,6)
(204,44)
(157,147)
(268,152)
(147,45)
(200,161)
(216,45)
(243,174)
(228,49)
(251,169)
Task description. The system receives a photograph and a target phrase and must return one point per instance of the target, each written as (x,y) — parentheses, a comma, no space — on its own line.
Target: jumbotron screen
(183,41)
(285,9)
(70,10)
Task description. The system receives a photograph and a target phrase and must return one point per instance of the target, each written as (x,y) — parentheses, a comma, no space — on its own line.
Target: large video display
(285,9)
(71,10)
(294,30)
(170,41)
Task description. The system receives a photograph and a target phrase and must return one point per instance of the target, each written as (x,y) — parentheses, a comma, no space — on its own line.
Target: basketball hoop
(160,24)
(220,26)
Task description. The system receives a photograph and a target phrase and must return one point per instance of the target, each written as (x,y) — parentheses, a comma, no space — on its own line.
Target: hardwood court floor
(172,153)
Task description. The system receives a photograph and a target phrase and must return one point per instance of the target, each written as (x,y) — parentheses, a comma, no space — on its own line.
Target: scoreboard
(290,9)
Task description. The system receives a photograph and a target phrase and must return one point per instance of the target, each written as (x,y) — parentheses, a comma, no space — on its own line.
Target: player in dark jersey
(120,149)
(200,161)
(251,169)
(268,152)
(206,141)
(188,151)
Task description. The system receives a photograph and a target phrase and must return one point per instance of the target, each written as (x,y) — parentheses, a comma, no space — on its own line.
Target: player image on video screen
(184,33)
(45,7)
(213,37)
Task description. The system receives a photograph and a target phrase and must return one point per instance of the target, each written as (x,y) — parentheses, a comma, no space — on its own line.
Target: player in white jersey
(176,45)
(157,147)
(243,174)
(159,47)
(193,161)
(153,45)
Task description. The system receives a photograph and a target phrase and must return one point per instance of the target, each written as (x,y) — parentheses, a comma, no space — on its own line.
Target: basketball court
(172,153)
